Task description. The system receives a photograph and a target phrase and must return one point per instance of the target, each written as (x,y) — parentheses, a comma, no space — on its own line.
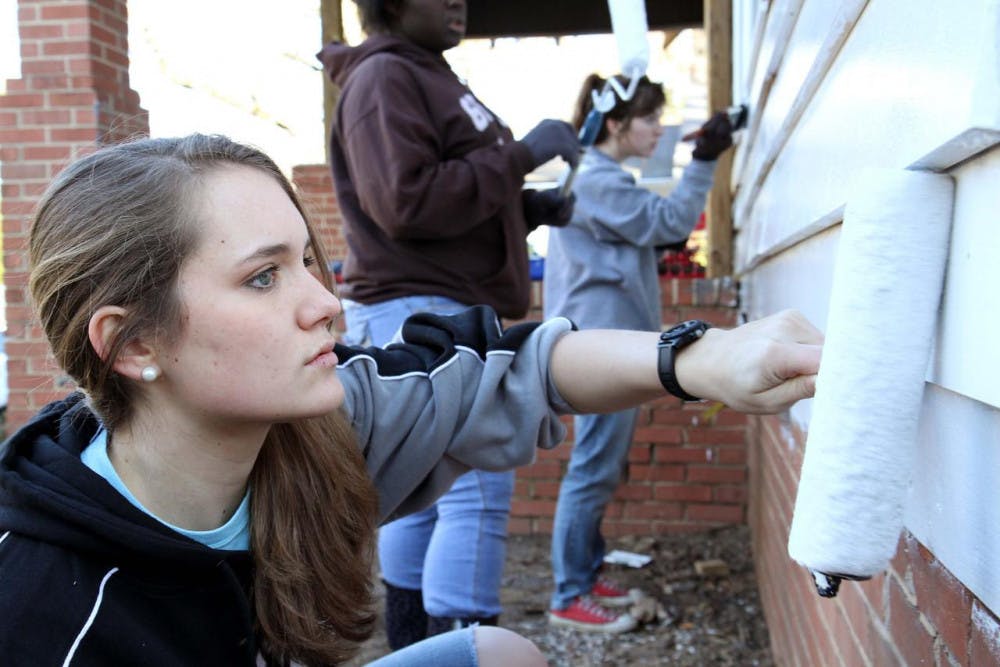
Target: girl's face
(642,135)
(256,342)
(436,25)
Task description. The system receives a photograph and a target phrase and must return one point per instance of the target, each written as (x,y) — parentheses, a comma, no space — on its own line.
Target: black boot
(437,625)
(405,618)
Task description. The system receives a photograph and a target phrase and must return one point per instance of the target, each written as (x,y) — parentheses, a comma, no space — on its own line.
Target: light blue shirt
(234,535)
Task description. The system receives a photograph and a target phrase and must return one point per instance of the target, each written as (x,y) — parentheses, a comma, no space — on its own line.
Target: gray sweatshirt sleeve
(457,393)
(619,211)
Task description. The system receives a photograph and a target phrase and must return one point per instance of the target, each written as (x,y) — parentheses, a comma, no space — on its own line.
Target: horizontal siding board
(951,508)
(966,358)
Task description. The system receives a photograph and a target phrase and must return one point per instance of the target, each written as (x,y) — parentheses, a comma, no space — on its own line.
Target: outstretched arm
(761,367)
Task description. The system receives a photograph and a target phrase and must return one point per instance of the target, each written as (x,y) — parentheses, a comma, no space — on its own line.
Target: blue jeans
(454,550)
(451,649)
(596,466)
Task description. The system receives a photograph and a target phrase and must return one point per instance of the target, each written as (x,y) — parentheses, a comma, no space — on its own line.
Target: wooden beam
(719,33)
(332,30)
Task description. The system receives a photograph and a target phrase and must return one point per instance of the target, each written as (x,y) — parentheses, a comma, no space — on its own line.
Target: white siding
(910,77)
(886,83)
(952,507)
(967,358)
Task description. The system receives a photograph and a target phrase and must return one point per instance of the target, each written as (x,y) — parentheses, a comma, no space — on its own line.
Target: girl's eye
(308,260)
(265,279)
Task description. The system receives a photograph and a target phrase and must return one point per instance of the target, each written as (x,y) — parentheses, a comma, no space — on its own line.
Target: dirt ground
(706,619)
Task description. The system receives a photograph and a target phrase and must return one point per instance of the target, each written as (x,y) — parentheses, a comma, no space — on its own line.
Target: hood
(48,494)
(339,59)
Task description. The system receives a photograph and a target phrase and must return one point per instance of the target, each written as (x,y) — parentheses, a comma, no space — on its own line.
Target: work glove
(547,207)
(715,136)
(551,138)
(677,246)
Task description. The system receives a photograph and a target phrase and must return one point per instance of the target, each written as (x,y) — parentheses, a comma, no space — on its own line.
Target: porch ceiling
(523,18)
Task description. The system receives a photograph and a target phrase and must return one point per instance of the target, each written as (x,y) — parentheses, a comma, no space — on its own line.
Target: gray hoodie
(600,270)
(456,393)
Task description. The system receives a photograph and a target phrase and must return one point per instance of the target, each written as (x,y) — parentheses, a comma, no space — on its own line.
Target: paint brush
(737,119)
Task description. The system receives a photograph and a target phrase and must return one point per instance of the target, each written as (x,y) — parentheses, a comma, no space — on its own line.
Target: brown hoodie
(428,181)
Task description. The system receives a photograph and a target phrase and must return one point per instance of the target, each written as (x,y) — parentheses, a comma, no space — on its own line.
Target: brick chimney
(73,95)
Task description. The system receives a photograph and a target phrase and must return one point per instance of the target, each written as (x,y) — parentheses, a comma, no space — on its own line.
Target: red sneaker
(585,614)
(611,594)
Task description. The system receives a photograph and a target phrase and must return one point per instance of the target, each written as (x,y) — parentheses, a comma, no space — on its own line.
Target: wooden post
(719,33)
(332,30)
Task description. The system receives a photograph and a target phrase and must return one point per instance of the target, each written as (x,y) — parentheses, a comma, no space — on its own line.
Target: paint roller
(628,23)
(862,442)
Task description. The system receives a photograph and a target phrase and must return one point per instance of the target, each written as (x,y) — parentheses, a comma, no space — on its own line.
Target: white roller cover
(628,22)
(884,302)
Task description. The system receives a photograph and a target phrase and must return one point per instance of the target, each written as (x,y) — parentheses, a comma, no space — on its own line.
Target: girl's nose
(319,305)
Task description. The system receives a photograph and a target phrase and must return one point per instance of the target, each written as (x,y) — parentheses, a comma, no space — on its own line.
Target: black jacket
(107,584)
(84,573)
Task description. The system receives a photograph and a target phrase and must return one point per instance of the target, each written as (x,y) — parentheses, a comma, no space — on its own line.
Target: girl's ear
(613,126)
(103,325)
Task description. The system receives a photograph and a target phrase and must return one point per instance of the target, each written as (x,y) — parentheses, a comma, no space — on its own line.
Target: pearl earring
(150,373)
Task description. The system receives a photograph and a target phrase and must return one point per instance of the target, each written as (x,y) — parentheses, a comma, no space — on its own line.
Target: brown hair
(114,228)
(648,97)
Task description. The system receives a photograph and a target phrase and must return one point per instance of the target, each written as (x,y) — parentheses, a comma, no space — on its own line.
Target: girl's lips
(324,360)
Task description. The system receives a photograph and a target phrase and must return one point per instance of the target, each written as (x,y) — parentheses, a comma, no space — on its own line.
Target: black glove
(715,136)
(547,207)
(551,138)
(672,247)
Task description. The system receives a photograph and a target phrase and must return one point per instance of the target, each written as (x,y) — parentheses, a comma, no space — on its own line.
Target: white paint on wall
(986,626)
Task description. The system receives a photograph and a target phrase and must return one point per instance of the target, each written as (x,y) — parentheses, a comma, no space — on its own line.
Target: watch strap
(668,378)
(668,347)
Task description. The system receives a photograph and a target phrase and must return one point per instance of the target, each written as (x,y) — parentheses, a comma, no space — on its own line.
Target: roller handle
(588,135)
(827,585)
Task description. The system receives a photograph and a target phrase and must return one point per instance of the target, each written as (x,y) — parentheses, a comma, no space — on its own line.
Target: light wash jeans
(596,466)
(454,550)
(451,649)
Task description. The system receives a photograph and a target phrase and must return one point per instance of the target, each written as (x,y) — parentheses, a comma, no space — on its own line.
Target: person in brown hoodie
(430,185)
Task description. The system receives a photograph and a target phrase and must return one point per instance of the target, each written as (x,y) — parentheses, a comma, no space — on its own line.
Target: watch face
(684,333)
(689,326)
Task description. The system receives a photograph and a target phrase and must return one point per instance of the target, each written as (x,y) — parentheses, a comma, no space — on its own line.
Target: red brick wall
(73,95)
(917,613)
(315,188)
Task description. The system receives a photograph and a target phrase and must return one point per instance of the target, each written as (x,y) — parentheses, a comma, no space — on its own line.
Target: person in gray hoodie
(601,272)
(430,185)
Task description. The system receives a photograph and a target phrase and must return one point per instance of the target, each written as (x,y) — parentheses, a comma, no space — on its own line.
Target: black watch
(673,339)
